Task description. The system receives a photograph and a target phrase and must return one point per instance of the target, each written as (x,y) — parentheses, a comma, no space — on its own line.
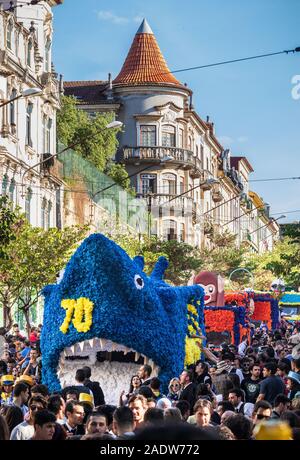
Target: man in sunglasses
(25,430)
(261,412)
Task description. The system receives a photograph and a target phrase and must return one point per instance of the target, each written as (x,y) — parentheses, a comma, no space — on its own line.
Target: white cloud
(110,16)
(115,19)
(242,139)
(225,140)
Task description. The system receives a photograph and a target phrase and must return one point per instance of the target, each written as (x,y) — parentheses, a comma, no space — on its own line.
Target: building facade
(28,123)
(193,187)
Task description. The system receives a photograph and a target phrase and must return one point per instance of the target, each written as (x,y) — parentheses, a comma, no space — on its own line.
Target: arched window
(12,108)
(170,230)
(4,184)
(47,55)
(182,233)
(168,137)
(28,124)
(9,34)
(28,198)
(169,184)
(148,135)
(11,190)
(48,135)
(29,53)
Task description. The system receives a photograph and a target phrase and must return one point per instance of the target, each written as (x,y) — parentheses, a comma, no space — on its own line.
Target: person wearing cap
(293,384)
(26,379)
(7,383)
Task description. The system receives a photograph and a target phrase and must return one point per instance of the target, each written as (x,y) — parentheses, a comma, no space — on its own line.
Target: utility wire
(274,178)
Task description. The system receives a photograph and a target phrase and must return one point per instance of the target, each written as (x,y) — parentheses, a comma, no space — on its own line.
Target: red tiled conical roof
(145,62)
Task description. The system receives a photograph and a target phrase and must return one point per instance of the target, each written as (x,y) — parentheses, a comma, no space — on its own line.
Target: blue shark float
(107,307)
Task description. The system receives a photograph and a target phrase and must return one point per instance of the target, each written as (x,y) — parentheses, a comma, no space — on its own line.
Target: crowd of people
(245,392)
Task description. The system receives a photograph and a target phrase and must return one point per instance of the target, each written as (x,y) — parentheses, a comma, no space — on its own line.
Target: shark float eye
(139,282)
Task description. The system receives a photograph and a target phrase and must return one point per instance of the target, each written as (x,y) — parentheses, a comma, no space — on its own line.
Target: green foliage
(95,143)
(283,262)
(32,257)
(119,175)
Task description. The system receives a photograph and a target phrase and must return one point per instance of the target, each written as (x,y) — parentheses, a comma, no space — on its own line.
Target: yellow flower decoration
(192,351)
(82,310)
(192,309)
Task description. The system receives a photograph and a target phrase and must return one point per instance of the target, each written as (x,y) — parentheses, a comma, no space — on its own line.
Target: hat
(294,376)
(7,380)
(26,379)
(84,397)
(222,366)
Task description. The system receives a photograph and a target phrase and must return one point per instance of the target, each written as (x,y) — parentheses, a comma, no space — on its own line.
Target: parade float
(108,314)
(289,305)
(228,314)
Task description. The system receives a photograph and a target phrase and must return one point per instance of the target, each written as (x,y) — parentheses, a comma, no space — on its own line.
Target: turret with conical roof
(145,63)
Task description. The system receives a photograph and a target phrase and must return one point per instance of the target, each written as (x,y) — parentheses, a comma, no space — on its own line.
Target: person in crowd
(138,405)
(172,415)
(13,416)
(20,396)
(93,386)
(123,423)
(174,389)
(262,411)
(7,384)
(226,414)
(40,390)
(272,385)
(108,410)
(291,418)
(33,367)
(155,388)
(57,405)
(144,373)
(4,430)
(251,385)
(245,367)
(202,373)
(135,385)
(293,384)
(70,394)
(243,346)
(224,406)
(184,407)
(44,425)
(25,430)
(163,403)
(154,416)
(281,404)
(74,413)
(80,387)
(33,336)
(203,411)
(188,388)
(236,397)
(240,426)
(96,423)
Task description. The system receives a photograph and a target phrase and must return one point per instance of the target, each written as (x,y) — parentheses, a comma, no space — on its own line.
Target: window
(148,183)
(47,125)
(28,124)
(202,155)
(181,138)
(182,232)
(147,135)
(11,190)
(12,108)
(4,184)
(168,136)
(43,213)
(169,184)
(47,55)
(49,214)
(29,53)
(9,35)
(28,204)
(170,230)
(181,190)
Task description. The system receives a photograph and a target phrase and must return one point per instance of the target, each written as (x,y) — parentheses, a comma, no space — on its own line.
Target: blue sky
(250,103)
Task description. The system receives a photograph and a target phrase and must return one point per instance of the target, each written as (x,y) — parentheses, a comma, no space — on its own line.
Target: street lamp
(112,125)
(26,93)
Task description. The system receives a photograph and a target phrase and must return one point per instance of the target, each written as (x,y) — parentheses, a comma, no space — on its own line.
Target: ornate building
(191,184)
(28,123)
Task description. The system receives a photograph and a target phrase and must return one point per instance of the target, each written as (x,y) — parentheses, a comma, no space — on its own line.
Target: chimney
(109,81)
(61,84)
(207,118)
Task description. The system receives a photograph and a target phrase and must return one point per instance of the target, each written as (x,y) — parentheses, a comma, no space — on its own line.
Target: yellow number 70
(81,311)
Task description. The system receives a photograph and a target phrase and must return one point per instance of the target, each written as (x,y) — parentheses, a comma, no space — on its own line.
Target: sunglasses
(33,407)
(262,416)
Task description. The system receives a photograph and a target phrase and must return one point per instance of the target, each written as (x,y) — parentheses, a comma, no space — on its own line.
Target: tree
(32,259)
(119,175)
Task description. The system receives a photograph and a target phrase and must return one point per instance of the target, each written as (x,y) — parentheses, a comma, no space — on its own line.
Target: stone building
(193,187)
(28,123)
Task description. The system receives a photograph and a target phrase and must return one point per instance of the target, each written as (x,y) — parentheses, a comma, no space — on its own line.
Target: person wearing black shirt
(188,392)
(251,385)
(94,387)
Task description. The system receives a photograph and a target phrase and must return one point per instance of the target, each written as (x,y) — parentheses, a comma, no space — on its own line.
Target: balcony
(217,194)
(205,176)
(182,157)
(178,203)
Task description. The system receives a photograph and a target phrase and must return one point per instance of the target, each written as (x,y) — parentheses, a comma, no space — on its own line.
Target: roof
(234,161)
(145,63)
(87,92)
